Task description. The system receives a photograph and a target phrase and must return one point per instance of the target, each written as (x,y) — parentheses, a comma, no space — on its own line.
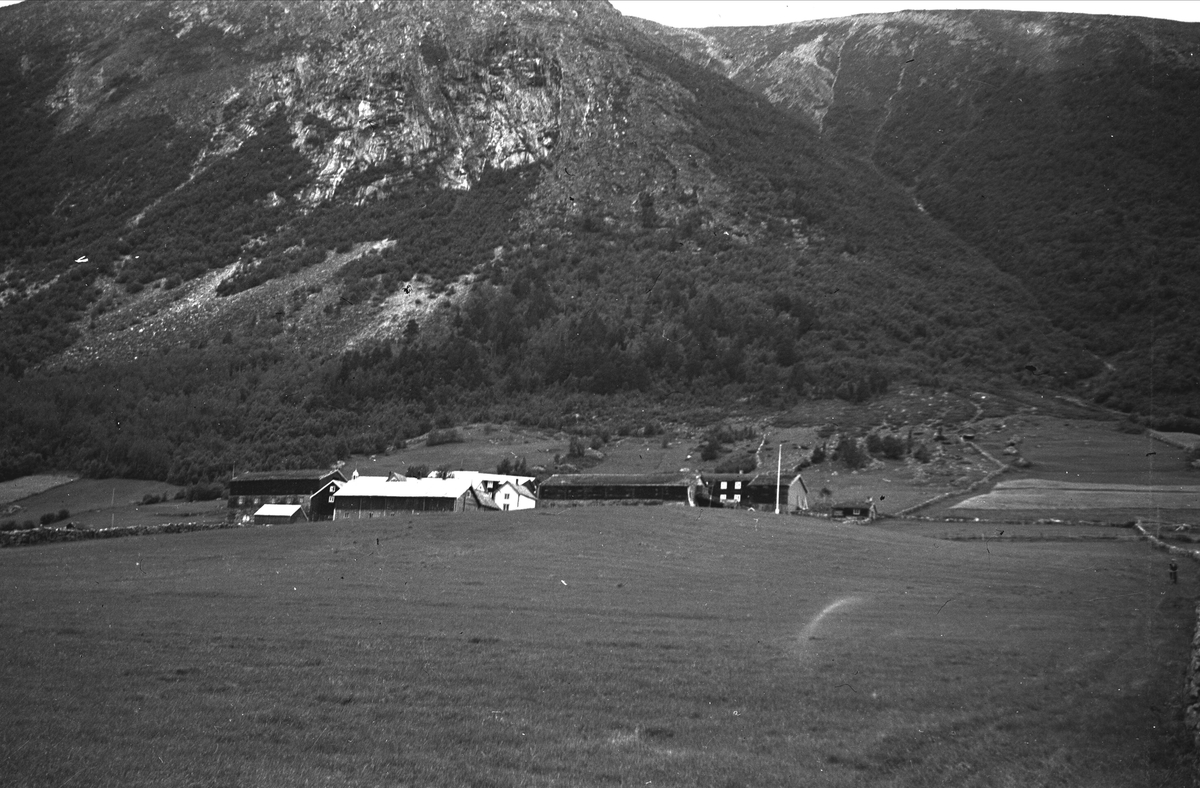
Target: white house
(510,497)
(489,482)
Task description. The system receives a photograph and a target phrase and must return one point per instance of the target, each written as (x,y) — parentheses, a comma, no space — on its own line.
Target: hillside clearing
(19,489)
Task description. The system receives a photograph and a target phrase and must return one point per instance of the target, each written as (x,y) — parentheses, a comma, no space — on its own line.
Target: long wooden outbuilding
(384,496)
(575,488)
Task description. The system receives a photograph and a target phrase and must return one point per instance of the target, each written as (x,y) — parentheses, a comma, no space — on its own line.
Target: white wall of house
(512,497)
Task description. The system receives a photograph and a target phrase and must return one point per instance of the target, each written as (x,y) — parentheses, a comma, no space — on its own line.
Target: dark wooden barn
(754,489)
(249,491)
(618,487)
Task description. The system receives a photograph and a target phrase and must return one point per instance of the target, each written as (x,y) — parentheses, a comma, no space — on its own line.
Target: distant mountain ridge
(276,232)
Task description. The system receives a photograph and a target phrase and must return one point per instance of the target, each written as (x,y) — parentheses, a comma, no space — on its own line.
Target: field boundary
(1171,440)
(29,486)
(970,488)
(1191,697)
(45,535)
(1160,544)
(1191,690)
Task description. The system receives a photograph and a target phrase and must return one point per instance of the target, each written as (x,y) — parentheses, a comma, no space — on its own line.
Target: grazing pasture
(1094,452)
(17,489)
(609,646)
(99,503)
(1081,470)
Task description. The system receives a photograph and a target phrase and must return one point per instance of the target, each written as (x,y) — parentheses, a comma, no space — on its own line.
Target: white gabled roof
(480,476)
(382,487)
(519,489)
(278,510)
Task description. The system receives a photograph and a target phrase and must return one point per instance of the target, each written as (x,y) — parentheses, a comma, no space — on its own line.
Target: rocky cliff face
(458,86)
(373,92)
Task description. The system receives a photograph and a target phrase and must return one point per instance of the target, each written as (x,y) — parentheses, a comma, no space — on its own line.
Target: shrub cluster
(438,437)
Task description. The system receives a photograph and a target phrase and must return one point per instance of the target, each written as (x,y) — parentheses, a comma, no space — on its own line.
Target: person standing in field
(1174,568)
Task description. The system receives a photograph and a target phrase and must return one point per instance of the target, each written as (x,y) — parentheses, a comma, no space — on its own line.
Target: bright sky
(735,13)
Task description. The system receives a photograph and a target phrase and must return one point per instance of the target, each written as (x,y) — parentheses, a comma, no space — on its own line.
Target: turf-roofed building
(577,488)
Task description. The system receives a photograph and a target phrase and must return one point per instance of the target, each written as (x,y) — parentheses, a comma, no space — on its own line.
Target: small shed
(858,510)
(279,514)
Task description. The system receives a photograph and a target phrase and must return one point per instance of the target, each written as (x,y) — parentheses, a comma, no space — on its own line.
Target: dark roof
(623,479)
(758,479)
(854,505)
(727,477)
(260,476)
(484,500)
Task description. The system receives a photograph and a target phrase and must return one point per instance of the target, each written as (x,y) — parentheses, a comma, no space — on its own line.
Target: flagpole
(778,477)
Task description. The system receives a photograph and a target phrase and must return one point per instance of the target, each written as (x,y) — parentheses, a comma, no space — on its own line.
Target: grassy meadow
(604,646)
(101,503)
(16,489)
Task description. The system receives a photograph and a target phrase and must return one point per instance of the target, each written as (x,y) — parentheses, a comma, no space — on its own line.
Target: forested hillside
(274,234)
(1057,145)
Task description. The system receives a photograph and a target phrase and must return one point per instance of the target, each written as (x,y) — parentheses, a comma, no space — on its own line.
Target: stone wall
(46,534)
(1191,690)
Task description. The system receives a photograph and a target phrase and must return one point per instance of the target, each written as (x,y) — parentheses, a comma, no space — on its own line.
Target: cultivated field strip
(18,489)
(1033,494)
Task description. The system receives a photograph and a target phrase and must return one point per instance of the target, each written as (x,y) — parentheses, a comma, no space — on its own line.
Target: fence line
(1191,689)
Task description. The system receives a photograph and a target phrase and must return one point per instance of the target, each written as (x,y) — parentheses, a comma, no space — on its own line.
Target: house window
(737,499)
(722,496)
(737,485)
(724,485)
(506,507)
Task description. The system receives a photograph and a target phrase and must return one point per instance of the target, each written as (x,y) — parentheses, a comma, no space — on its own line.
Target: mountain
(275,233)
(1060,146)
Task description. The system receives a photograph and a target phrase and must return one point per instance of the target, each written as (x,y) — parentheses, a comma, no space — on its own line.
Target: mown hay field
(18,489)
(1047,494)
(101,503)
(606,646)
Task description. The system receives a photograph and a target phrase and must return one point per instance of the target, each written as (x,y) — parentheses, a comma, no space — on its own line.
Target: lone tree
(849,454)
